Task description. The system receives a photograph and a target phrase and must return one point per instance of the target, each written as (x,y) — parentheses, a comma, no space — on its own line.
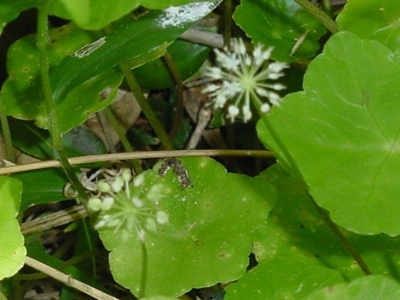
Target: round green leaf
(342,133)
(283,278)
(208,237)
(373,19)
(12,250)
(92,14)
(9,10)
(280,24)
(364,288)
(22,92)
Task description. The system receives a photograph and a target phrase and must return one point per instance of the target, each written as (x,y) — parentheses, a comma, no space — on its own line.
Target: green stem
(42,43)
(346,244)
(319,14)
(79,188)
(180,109)
(6,133)
(114,123)
(146,108)
(327,5)
(54,128)
(143,279)
(227,23)
(295,169)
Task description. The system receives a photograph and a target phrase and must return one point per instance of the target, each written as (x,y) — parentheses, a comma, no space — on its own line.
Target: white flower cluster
(124,204)
(245,79)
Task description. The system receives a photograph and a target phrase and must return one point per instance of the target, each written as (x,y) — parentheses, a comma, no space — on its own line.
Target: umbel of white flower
(244,79)
(125,205)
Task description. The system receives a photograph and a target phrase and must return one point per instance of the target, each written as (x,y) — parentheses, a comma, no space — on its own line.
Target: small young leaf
(208,238)
(12,250)
(342,133)
(280,23)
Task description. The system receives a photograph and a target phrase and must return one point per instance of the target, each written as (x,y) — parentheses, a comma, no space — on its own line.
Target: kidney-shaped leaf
(280,23)
(373,19)
(343,133)
(12,250)
(209,234)
(364,288)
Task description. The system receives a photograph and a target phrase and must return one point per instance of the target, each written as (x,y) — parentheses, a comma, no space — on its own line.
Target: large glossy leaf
(9,10)
(187,57)
(84,100)
(280,23)
(159,4)
(12,250)
(209,235)
(343,133)
(140,40)
(364,288)
(41,186)
(374,19)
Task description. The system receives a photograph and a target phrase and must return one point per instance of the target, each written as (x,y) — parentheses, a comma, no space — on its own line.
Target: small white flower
(107,203)
(245,80)
(103,187)
(95,204)
(137,202)
(138,181)
(265,108)
(233,111)
(117,184)
(162,217)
